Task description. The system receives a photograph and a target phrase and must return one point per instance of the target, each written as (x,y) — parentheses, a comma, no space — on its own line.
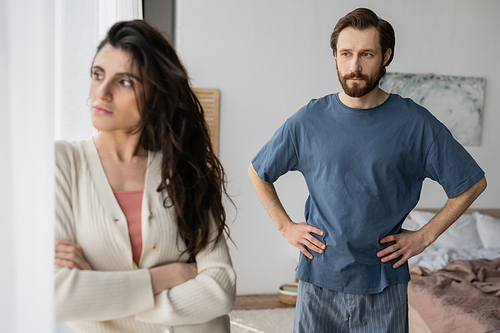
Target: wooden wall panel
(209,99)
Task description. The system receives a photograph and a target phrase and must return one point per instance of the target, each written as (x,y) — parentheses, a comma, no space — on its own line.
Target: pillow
(410,224)
(462,235)
(488,228)
(421,217)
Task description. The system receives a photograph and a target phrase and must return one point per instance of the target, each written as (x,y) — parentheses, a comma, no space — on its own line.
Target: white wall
(269,58)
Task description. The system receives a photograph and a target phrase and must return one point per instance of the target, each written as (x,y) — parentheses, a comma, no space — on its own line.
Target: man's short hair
(364,18)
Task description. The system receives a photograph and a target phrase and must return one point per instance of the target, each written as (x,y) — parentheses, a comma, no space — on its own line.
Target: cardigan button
(166,331)
(116,220)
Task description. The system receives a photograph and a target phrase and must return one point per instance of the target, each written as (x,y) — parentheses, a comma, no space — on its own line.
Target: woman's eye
(126,83)
(97,76)
(367,55)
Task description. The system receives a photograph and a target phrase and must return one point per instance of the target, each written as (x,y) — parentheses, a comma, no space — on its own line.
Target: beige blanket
(462,297)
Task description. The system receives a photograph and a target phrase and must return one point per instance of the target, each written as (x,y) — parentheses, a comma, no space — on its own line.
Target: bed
(455,285)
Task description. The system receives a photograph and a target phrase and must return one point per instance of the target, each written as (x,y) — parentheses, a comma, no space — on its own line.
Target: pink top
(131,203)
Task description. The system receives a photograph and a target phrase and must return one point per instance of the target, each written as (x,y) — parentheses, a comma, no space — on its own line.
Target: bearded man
(364,154)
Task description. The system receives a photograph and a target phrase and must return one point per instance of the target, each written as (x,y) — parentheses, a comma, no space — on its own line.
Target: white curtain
(37,89)
(26,165)
(112,11)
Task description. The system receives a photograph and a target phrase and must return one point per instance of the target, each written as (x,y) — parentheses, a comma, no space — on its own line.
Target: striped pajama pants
(320,310)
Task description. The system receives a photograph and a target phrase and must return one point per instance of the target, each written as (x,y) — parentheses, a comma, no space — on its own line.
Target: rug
(262,321)
(246,321)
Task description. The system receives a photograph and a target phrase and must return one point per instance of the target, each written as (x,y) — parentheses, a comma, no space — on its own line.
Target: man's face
(359,60)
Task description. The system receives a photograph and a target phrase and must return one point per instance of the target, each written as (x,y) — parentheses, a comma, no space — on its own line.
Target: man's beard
(371,82)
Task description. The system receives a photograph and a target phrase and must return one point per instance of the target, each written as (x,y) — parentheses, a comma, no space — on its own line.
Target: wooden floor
(258,302)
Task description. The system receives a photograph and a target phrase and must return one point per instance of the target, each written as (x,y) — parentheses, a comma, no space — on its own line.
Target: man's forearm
(297,234)
(451,211)
(269,198)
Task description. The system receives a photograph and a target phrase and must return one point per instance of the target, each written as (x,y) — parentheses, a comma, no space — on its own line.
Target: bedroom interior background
(270,58)
(276,50)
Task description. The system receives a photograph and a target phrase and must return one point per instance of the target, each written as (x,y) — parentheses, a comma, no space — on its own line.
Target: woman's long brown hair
(172,122)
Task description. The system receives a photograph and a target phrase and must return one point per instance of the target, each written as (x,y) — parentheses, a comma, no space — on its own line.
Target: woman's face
(113,101)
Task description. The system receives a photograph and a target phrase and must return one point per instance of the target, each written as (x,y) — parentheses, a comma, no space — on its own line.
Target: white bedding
(472,236)
(436,258)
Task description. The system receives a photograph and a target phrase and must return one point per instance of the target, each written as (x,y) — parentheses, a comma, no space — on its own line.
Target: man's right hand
(299,235)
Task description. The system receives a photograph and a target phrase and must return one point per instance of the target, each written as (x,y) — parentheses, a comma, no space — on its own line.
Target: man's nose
(355,65)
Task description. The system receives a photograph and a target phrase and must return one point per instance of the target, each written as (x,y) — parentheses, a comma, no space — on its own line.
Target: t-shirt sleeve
(451,165)
(278,156)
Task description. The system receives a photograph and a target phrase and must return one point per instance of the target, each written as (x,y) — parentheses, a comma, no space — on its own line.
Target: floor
(268,315)
(245,302)
(259,302)
(262,321)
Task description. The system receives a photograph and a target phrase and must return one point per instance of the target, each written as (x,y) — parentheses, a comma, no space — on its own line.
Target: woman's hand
(70,255)
(171,275)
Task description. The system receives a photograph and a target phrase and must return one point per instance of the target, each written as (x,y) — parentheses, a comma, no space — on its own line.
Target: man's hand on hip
(407,244)
(410,243)
(299,235)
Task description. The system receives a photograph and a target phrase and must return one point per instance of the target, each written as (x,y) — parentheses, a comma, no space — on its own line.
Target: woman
(139,221)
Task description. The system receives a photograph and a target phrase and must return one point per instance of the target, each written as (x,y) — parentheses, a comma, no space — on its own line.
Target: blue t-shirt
(364,170)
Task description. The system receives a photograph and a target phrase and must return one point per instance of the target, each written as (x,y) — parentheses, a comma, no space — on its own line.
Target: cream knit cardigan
(117,295)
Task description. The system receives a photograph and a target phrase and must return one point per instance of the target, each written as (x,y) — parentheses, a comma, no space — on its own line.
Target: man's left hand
(407,244)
